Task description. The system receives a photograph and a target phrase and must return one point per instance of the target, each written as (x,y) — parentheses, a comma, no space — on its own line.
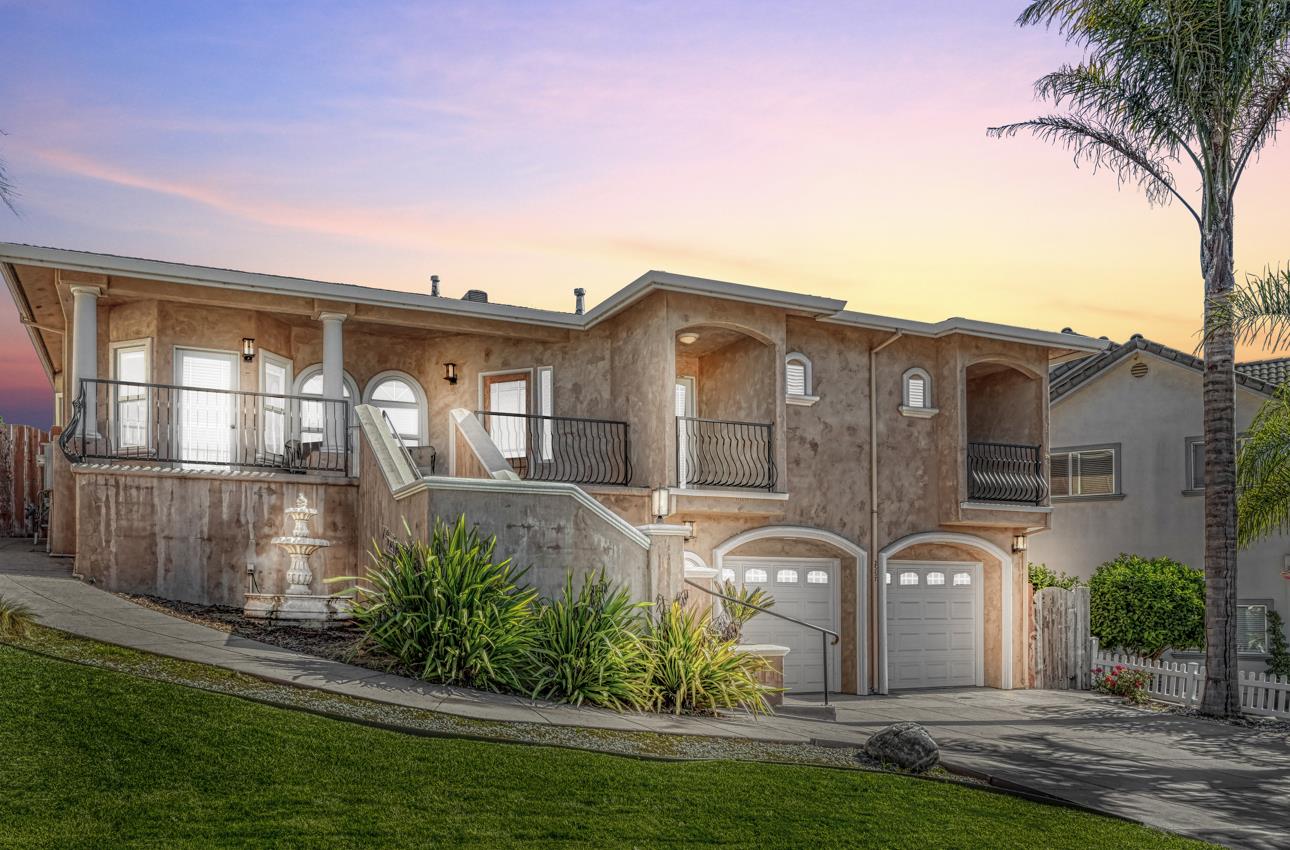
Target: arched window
(754,576)
(962,579)
(916,396)
(786,577)
(936,578)
(798,380)
(402,399)
(310,382)
(909,578)
(817,577)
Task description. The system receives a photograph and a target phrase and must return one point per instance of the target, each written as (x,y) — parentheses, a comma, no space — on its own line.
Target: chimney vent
(579,295)
(434,285)
(477,295)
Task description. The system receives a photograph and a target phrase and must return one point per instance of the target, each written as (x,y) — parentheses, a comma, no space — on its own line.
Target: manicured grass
(97,758)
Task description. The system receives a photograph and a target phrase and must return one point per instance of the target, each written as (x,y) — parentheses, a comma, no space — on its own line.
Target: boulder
(904,745)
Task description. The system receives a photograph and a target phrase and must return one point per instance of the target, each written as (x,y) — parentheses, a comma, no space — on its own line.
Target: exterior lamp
(248,349)
(450,372)
(1019,543)
(660,503)
(688,338)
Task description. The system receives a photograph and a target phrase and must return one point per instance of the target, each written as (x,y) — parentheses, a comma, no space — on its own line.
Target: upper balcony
(1003,446)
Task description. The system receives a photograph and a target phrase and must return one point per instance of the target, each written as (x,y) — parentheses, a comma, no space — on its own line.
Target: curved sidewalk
(62,602)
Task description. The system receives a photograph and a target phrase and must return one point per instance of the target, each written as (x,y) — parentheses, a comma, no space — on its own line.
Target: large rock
(904,745)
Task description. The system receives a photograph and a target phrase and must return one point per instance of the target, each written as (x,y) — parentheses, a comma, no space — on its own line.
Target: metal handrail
(825,634)
(403,447)
(587,451)
(725,453)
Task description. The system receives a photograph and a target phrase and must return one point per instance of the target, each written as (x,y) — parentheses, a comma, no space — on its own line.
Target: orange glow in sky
(529,149)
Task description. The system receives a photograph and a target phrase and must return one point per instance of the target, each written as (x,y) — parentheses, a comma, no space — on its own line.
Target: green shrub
(1278,652)
(1041,576)
(736,615)
(1146,606)
(447,612)
(1122,681)
(16,619)
(692,669)
(588,647)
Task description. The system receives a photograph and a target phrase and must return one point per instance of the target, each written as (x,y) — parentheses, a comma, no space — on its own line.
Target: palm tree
(1200,86)
(7,193)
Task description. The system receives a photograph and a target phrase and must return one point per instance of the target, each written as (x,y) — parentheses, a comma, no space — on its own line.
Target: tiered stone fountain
(299,604)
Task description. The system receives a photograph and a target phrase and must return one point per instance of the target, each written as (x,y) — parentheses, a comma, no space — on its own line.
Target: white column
(333,377)
(85,353)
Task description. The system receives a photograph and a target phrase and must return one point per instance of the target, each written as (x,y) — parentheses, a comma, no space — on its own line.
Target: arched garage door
(805,589)
(934,625)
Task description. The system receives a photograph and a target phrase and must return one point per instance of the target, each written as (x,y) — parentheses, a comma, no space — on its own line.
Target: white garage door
(803,588)
(934,631)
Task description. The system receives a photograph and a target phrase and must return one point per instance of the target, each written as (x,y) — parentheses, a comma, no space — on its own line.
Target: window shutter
(1060,465)
(1097,473)
(795,378)
(916,390)
(1252,628)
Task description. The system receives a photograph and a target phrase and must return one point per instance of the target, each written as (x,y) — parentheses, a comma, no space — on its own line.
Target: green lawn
(96,758)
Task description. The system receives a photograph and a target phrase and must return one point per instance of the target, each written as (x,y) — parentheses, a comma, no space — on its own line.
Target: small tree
(1278,651)
(1041,577)
(1146,606)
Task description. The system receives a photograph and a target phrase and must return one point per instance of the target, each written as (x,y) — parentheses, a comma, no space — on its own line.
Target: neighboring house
(681,429)
(1127,464)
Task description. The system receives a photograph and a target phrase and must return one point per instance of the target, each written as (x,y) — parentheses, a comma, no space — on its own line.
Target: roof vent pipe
(477,295)
(434,285)
(578,303)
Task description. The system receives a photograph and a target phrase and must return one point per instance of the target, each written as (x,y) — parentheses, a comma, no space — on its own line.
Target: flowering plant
(1122,681)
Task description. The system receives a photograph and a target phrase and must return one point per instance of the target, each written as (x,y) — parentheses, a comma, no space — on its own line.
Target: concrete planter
(772,673)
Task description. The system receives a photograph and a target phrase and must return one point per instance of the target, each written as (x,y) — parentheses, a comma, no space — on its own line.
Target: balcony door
(207,423)
(508,394)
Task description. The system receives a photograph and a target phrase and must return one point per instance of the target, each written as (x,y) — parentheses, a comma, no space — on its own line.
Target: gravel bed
(420,721)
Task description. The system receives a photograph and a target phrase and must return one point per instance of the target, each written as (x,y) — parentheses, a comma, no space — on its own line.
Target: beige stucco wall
(191,536)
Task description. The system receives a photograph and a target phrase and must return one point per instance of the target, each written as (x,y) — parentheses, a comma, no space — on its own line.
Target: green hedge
(1147,605)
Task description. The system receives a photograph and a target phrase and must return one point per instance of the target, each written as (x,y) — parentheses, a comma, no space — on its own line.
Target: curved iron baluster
(725,453)
(575,449)
(1006,472)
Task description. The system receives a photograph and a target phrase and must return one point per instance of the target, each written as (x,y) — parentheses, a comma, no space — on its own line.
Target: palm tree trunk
(1221,696)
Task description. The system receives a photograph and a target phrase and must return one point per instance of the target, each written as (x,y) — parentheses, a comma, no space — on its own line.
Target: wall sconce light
(1019,543)
(248,349)
(689,529)
(660,503)
(450,372)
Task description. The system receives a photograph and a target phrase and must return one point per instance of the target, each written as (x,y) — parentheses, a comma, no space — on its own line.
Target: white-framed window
(908,578)
(786,577)
(275,383)
(754,576)
(936,578)
(1085,471)
(817,577)
(310,419)
(962,579)
(916,393)
(799,382)
(1252,628)
(131,422)
(401,398)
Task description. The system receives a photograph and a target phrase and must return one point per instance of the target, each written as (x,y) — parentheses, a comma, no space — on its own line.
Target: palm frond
(8,194)
(1263,472)
(1257,311)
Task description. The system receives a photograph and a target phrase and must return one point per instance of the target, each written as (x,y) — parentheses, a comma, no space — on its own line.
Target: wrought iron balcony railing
(163,424)
(562,448)
(1006,472)
(721,453)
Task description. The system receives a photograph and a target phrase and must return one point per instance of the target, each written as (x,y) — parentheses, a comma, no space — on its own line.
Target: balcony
(562,448)
(724,453)
(200,428)
(1006,473)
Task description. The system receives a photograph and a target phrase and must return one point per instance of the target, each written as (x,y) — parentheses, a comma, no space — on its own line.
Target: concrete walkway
(1209,780)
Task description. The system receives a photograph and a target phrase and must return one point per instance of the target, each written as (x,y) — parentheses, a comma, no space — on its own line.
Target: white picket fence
(1183,682)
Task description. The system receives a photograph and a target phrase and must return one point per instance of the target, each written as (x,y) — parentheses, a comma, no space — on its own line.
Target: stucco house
(1128,472)
(879,476)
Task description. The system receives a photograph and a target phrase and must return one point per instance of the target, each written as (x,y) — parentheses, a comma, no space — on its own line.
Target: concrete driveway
(1210,780)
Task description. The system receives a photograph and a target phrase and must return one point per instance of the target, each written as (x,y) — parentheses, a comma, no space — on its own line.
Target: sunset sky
(528,148)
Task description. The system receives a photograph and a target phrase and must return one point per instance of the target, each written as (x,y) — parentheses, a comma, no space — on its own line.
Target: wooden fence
(21,478)
(1062,649)
(1183,683)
